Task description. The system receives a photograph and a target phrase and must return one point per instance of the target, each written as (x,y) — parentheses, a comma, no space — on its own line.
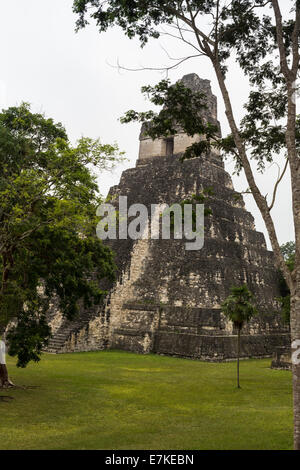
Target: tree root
(7,384)
(12,386)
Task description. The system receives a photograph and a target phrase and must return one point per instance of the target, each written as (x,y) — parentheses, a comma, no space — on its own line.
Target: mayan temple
(166,299)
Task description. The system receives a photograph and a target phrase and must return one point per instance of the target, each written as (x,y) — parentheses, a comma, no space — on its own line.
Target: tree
(288,251)
(238,308)
(266,48)
(48,243)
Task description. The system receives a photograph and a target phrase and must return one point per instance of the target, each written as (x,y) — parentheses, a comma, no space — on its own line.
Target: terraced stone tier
(167,299)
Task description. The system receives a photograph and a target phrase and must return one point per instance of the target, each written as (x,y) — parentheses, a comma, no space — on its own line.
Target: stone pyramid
(167,299)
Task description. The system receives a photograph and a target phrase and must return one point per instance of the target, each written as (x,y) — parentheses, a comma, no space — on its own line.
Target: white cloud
(67,76)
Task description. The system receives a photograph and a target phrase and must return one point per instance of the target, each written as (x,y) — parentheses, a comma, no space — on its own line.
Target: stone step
(57,342)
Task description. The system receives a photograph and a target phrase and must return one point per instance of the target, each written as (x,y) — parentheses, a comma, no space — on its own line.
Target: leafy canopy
(238,306)
(48,244)
(183,108)
(289,252)
(216,29)
(136,17)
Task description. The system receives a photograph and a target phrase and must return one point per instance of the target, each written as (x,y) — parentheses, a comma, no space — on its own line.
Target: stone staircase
(61,336)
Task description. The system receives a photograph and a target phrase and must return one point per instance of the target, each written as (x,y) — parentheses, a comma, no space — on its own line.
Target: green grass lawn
(119,400)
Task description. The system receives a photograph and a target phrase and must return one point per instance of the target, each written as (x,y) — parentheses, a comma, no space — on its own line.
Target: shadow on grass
(5,398)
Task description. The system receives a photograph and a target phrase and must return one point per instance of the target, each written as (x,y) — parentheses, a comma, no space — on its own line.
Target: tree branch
(277,184)
(258,197)
(295,47)
(164,69)
(190,23)
(283,60)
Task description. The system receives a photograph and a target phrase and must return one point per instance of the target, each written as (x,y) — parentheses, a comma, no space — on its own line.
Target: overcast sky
(70,77)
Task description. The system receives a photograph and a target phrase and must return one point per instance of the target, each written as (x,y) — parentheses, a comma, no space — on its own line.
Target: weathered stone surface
(166,299)
(150,149)
(282,358)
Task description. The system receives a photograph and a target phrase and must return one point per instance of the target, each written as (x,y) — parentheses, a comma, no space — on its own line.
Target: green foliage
(285,305)
(238,306)
(288,250)
(48,244)
(27,338)
(136,17)
(239,309)
(243,28)
(182,109)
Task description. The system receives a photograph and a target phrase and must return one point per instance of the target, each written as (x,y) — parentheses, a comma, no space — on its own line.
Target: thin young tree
(266,48)
(239,309)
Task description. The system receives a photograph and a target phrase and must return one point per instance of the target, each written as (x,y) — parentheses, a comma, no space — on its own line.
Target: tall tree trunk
(4,379)
(260,200)
(238,356)
(292,279)
(295,329)
(290,73)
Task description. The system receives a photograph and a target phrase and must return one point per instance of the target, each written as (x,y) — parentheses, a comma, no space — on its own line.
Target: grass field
(118,400)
